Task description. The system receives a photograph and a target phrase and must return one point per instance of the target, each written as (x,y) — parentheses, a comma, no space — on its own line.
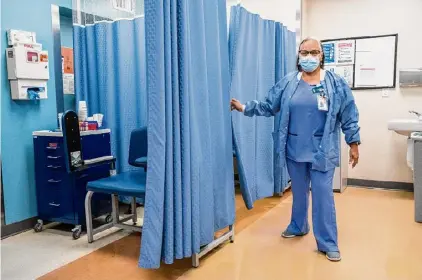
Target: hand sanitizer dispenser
(28,71)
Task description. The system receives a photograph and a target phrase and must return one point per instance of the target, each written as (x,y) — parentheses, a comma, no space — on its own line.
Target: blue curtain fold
(261,53)
(190,188)
(285,62)
(110,75)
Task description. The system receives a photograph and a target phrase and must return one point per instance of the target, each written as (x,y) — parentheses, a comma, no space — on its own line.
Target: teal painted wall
(66,36)
(20,118)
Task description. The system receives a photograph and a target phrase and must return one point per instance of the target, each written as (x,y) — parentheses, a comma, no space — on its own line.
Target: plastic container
(82,111)
(92,125)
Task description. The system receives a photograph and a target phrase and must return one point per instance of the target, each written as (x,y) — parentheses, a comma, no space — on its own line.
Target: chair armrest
(98,162)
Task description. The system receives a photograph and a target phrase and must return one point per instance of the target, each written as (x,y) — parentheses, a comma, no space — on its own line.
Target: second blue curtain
(285,62)
(110,75)
(261,53)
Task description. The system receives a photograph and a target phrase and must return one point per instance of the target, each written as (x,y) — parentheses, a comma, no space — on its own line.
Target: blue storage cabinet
(61,195)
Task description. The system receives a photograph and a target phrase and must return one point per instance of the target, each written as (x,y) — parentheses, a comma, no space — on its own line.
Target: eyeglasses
(313,52)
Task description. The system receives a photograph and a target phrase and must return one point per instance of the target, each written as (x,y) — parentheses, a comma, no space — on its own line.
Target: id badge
(321,97)
(322,103)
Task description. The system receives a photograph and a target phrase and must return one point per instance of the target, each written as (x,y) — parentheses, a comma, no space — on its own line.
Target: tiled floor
(30,255)
(120,259)
(378,238)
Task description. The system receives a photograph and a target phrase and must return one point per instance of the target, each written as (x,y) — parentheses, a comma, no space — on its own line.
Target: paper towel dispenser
(27,69)
(410,77)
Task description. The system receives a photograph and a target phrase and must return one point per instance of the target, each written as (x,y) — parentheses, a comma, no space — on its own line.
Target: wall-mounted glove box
(19,36)
(28,89)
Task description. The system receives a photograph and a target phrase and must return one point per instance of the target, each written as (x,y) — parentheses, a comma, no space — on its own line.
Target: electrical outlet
(385,93)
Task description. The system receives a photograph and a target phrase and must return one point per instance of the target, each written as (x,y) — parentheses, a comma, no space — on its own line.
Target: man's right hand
(236,105)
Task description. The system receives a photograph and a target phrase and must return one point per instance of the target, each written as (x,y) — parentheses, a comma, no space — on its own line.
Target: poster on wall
(344,71)
(329,53)
(68,71)
(345,52)
(341,52)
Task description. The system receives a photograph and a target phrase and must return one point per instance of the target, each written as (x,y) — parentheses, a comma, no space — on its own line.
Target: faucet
(419,115)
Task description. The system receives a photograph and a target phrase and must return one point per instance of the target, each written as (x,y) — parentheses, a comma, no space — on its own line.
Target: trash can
(417,174)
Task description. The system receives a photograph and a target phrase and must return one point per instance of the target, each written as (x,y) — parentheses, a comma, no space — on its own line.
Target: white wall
(383,153)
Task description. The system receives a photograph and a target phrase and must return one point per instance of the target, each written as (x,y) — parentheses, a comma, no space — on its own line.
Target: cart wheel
(109,219)
(76,233)
(38,226)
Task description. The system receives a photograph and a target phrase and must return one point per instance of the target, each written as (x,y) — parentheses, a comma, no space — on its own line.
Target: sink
(405,126)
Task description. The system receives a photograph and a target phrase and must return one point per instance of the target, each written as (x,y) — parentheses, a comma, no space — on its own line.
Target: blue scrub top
(306,124)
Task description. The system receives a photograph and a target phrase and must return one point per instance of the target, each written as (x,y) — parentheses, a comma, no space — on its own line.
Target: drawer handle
(54,204)
(54,166)
(51,148)
(54,181)
(51,157)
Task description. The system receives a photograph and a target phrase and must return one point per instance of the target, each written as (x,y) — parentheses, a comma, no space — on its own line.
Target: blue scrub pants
(323,209)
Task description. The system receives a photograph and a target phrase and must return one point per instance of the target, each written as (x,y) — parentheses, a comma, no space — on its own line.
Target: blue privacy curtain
(285,62)
(110,74)
(261,52)
(190,186)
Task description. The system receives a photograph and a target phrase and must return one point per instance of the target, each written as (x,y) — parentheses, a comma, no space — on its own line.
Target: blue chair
(138,148)
(131,184)
(126,184)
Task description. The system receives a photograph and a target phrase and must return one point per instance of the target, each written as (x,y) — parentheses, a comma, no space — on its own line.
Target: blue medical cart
(61,195)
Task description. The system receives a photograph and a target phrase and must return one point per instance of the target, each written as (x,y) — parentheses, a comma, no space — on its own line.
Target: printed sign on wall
(68,71)
(329,53)
(346,52)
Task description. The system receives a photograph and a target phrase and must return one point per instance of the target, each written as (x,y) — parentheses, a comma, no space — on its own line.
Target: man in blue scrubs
(314,105)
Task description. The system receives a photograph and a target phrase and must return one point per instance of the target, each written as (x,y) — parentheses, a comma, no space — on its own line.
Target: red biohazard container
(92,125)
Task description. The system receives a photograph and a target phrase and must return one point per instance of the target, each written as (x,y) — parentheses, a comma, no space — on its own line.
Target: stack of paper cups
(83,111)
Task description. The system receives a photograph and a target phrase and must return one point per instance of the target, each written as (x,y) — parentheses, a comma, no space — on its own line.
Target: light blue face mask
(309,63)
